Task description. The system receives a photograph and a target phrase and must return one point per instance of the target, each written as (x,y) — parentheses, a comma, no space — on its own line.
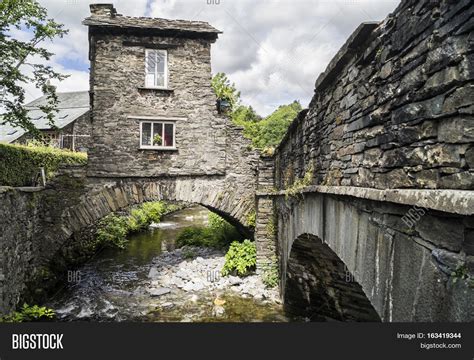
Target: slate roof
(71,106)
(120,21)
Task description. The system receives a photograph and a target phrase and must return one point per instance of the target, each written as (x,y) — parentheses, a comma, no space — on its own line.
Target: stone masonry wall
(265,222)
(20,209)
(83,128)
(117,85)
(394,109)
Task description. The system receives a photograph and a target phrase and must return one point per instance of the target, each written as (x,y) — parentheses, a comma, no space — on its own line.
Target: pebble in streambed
(194,287)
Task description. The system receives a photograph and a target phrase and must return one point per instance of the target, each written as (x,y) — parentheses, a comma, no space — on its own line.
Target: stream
(151,281)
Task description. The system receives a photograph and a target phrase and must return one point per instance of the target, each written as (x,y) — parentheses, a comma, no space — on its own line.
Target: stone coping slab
(446,200)
(4,189)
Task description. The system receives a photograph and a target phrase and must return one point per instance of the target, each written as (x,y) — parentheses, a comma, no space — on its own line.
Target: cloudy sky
(272,49)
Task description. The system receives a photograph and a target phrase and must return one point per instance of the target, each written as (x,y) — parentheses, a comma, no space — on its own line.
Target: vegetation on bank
(19,164)
(271,275)
(240,259)
(300,183)
(241,256)
(29,313)
(265,132)
(217,234)
(114,228)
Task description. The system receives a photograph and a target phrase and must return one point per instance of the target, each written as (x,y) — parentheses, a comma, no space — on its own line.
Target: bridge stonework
(380,170)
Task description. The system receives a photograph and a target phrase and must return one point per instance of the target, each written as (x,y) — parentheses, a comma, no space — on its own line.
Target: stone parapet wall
(19,218)
(394,109)
(265,176)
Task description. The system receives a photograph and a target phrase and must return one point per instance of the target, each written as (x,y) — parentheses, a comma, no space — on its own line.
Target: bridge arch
(319,287)
(101,197)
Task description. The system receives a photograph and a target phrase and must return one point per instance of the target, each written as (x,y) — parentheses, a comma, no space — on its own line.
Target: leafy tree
(264,133)
(16,56)
(270,130)
(224,89)
(245,114)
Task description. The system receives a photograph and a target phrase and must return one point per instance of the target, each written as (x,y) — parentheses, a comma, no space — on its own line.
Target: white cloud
(275,49)
(272,49)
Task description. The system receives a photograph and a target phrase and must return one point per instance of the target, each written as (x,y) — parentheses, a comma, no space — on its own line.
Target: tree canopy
(268,132)
(264,132)
(24,61)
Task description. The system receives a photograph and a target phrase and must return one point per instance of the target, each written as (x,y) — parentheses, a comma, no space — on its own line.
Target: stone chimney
(103,10)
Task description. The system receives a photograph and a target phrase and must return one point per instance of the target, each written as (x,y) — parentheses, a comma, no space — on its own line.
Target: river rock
(158,291)
(154,273)
(218,311)
(234,280)
(171,270)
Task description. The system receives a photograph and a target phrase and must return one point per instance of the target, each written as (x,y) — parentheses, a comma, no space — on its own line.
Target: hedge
(19,164)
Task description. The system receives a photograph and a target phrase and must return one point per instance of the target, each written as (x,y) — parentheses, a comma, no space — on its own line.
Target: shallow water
(112,286)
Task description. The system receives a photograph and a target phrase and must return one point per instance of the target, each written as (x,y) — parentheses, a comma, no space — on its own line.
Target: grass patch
(19,164)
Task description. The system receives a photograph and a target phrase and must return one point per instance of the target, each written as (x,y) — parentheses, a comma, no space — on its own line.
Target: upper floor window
(157,135)
(156,68)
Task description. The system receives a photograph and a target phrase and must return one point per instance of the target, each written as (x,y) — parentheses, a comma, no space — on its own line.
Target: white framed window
(158,135)
(156,68)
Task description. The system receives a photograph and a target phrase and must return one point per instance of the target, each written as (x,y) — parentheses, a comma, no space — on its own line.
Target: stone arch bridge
(366,205)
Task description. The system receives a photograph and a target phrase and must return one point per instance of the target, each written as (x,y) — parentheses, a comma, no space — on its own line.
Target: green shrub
(29,313)
(223,232)
(112,231)
(19,164)
(196,236)
(217,234)
(137,220)
(155,210)
(241,258)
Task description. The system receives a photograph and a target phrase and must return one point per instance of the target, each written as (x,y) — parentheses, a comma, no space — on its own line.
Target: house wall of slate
(117,86)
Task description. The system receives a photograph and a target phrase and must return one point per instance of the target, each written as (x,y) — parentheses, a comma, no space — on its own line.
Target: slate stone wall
(16,243)
(265,222)
(394,109)
(83,128)
(117,85)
